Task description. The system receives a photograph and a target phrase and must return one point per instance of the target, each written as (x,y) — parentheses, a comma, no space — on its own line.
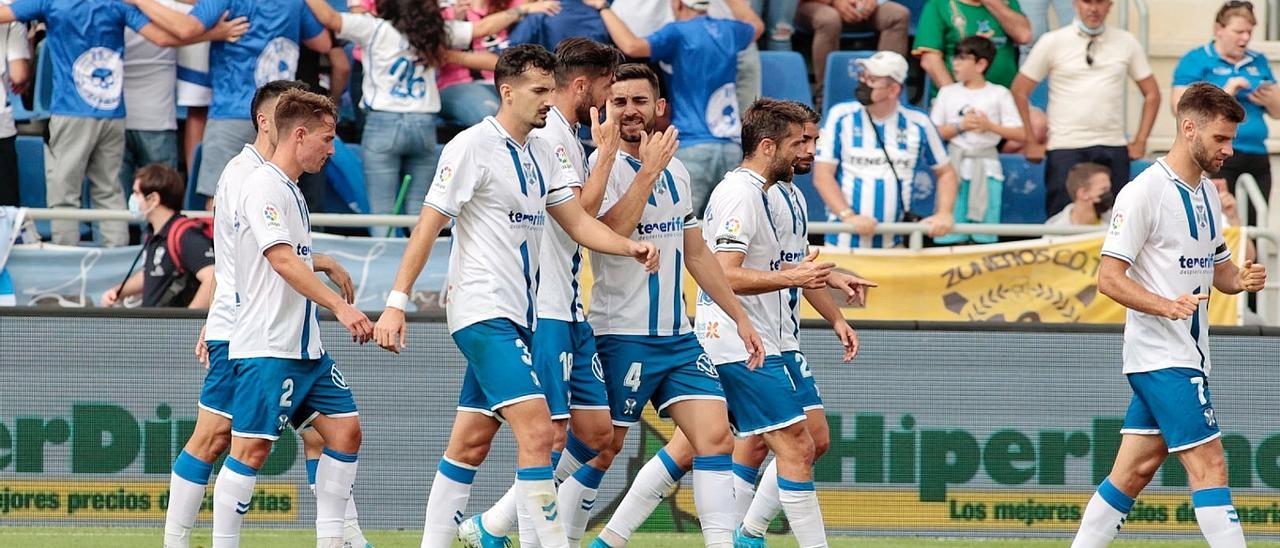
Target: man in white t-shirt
(499,183)
(282,372)
(1087,63)
(1163,254)
(15,73)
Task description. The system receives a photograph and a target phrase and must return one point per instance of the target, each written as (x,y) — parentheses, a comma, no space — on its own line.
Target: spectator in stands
(576,19)
(15,74)
(177,266)
(868,151)
(402,46)
(1231,217)
(1086,63)
(86,131)
(975,115)
(1089,186)
(467,95)
(324,74)
(944,23)
(827,19)
(1244,74)
(779,19)
(1037,12)
(195,92)
(150,85)
(703,53)
(267,52)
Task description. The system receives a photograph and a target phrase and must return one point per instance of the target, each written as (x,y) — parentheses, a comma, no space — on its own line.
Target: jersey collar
(573,128)
(753,177)
(1212,52)
(502,132)
(279,172)
(1168,172)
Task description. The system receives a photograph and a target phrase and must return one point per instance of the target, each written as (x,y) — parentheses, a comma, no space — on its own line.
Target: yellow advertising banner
(1047,280)
(127,500)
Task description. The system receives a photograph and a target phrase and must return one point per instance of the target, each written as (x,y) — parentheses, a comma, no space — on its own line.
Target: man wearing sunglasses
(1086,63)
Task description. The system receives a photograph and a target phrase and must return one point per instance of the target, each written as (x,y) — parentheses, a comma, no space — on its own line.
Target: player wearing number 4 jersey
(498,183)
(1162,255)
(282,372)
(647,347)
(564,347)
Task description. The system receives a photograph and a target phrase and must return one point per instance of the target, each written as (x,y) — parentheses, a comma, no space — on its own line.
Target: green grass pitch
(109,537)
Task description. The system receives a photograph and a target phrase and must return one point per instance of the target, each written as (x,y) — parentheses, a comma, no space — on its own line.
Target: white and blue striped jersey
(222,310)
(272,319)
(395,79)
(1170,234)
(852,140)
(559,296)
(739,219)
(788,206)
(626,300)
(497,191)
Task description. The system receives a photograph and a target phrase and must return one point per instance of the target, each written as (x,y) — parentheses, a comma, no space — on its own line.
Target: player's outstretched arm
(302,279)
(389,333)
(826,306)
(1230,279)
(711,280)
(336,273)
(746,281)
(596,236)
(1114,282)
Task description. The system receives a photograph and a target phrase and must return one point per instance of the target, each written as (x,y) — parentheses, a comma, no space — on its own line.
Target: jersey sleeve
(197,250)
(1009,116)
(932,150)
(1139,66)
(734,222)
(930,30)
(266,212)
(664,43)
(358,27)
(456,180)
(938,110)
(1264,69)
(28,10)
(680,176)
(209,11)
(134,18)
(557,171)
(563,169)
(828,149)
(17,46)
(1036,66)
(1188,70)
(1221,252)
(308,26)
(460,33)
(745,33)
(1130,225)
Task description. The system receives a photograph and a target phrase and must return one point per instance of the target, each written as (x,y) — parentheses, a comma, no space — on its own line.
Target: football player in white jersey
(564,348)
(1163,253)
(647,347)
(282,372)
(212,433)
(499,183)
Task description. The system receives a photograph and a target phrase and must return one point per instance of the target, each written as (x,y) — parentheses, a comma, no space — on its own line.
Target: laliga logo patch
(272,215)
(337,378)
(278,61)
(98,75)
(445,175)
(1117,221)
(705,366)
(562,156)
(733,225)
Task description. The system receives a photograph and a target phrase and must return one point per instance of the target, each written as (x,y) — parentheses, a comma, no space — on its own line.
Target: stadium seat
(1023,190)
(30,149)
(787,76)
(20,112)
(194,201)
(44,80)
(1040,96)
(842,77)
(916,7)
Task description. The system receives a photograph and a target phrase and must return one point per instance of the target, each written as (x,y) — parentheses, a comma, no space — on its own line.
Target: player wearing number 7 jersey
(499,182)
(1162,254)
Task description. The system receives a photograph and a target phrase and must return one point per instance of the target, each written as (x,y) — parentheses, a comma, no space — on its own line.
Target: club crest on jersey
(1202,217)
(278,61)
(271,215)
(99,78)
(530,172)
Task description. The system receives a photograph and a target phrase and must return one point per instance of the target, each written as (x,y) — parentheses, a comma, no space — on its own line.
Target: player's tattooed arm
(1230,279)
(1114,282)
(390,331)
(710,277)
(302,279)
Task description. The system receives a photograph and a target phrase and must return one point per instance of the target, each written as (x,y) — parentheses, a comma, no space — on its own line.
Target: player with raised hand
(647,346)
(564,347)
(282,371)
(1163,253)
(498,183)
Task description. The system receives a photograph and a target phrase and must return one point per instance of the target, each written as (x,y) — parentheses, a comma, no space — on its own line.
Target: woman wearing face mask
(177,267)
(1227,63)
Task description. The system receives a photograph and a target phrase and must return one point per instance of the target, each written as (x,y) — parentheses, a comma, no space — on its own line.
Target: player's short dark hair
(769,119)
(271,90)
(1080,175)
(517,60)
(637,71)
(980,48)
(810,116)
(299,108)
(580,56)
(163,180)
(1206,102)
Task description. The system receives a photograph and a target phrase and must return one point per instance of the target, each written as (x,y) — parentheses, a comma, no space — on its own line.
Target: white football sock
(577,497)
(1103,517)
(656,478)
(499,519)
(186,493)
(351,525)
(800,502)
(744,489)
(575,455)
(537,490)
(447,502)
(1218,518)
(232,494)
(712,489)
(334,478)
(765,506)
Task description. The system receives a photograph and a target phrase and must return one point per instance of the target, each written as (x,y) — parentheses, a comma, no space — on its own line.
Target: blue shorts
(564,355)
(762,400)
(499,366)
(802,377)
(1174,403)
(273,392)
(639,369)
(219,390)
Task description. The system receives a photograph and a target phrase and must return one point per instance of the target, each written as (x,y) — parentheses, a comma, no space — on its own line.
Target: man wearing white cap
(867,155)
(703,54)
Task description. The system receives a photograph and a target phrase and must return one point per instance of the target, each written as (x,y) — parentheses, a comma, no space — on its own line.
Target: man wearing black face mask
(1089,186)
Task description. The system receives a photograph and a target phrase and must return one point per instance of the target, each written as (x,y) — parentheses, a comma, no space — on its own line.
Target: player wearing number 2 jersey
(499,182)
(1162,255)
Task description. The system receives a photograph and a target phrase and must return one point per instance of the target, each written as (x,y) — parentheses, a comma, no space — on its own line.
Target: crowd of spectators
(187,69)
